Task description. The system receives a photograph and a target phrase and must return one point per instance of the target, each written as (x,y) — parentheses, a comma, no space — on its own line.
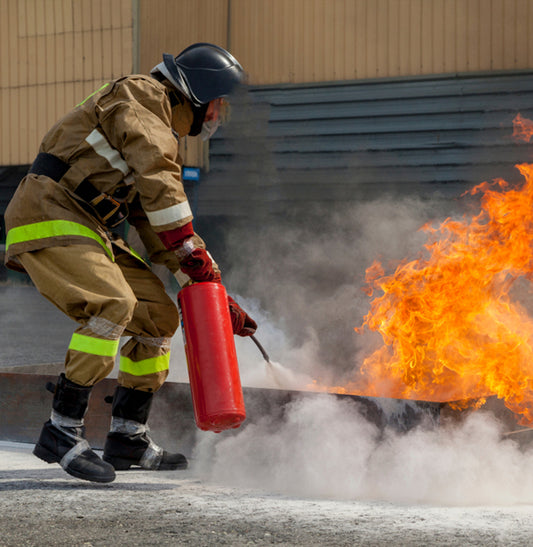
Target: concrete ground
(40,505)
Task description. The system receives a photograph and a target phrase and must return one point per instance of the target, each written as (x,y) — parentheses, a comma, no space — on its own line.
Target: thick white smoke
(326,449)
(300,278)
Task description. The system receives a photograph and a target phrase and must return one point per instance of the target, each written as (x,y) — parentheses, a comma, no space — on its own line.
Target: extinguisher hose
(270,367)
(261,348)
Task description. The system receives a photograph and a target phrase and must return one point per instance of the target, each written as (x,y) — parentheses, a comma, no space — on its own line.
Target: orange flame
(522,128)
(451,327)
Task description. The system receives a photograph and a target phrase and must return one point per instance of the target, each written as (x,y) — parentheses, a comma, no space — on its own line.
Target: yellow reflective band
(94,346)
(146,366)
(52,228)
(136,255)
(93,93)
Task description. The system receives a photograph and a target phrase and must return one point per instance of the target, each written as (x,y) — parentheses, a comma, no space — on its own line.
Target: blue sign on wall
(191,173)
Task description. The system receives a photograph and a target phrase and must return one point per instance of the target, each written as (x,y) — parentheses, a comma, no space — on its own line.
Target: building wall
(311,41)
(53,54)
(298,41)
(56,52)
(171,25)
(341,142)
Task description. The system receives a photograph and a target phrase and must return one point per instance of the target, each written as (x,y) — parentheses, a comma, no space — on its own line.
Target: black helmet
(202,72)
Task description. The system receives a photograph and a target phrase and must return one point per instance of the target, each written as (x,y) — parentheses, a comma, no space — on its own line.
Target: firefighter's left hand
(242,323)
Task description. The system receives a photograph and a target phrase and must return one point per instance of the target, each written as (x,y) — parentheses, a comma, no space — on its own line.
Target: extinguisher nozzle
(261,348)
(270,366)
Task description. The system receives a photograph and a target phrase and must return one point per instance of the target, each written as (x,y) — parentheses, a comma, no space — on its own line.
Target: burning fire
(451,327)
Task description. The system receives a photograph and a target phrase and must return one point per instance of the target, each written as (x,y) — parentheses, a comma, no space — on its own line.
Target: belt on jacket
(108,209)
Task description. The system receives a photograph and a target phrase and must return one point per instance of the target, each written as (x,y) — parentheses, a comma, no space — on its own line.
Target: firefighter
(115,155)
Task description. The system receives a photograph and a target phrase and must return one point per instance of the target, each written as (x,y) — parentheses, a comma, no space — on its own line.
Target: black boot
(62,437)
(128,442)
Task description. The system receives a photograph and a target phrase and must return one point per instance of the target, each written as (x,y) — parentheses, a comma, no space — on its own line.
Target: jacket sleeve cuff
(174,239)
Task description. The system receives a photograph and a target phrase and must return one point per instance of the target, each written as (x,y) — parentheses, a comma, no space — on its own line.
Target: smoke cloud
(326,449)
(301,277)
(301,280)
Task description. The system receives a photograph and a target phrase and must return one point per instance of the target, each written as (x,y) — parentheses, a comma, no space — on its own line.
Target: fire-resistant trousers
(109,300)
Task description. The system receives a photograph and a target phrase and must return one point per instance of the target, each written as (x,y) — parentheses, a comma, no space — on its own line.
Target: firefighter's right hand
(174,239)
(194,261)
(197,264)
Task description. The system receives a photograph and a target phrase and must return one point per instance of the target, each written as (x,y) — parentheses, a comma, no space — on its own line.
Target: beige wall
(53,53)
(169,26)
(320,40)
(315,40)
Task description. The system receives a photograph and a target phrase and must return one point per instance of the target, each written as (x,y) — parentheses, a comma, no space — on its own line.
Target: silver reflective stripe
(175,213)
(73,453)
(105,328)
(160,342)
(59,420)
(130,427)
(186,249)
(152,456)
(104,149)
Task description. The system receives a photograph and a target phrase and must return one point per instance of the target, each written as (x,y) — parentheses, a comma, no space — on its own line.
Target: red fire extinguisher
(211,357)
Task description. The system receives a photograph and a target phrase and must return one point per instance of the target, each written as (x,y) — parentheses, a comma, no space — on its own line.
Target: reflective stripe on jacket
(40,231)
(119,139)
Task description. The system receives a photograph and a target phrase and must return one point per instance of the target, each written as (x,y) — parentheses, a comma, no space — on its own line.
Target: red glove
(194,262)
(242,323)
(174,239)
(199,266)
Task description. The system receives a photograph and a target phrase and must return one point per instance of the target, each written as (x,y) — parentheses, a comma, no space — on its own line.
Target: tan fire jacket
(119,139)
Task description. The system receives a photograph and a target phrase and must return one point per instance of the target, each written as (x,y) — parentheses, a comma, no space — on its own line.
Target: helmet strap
(199,113)
(175,98)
